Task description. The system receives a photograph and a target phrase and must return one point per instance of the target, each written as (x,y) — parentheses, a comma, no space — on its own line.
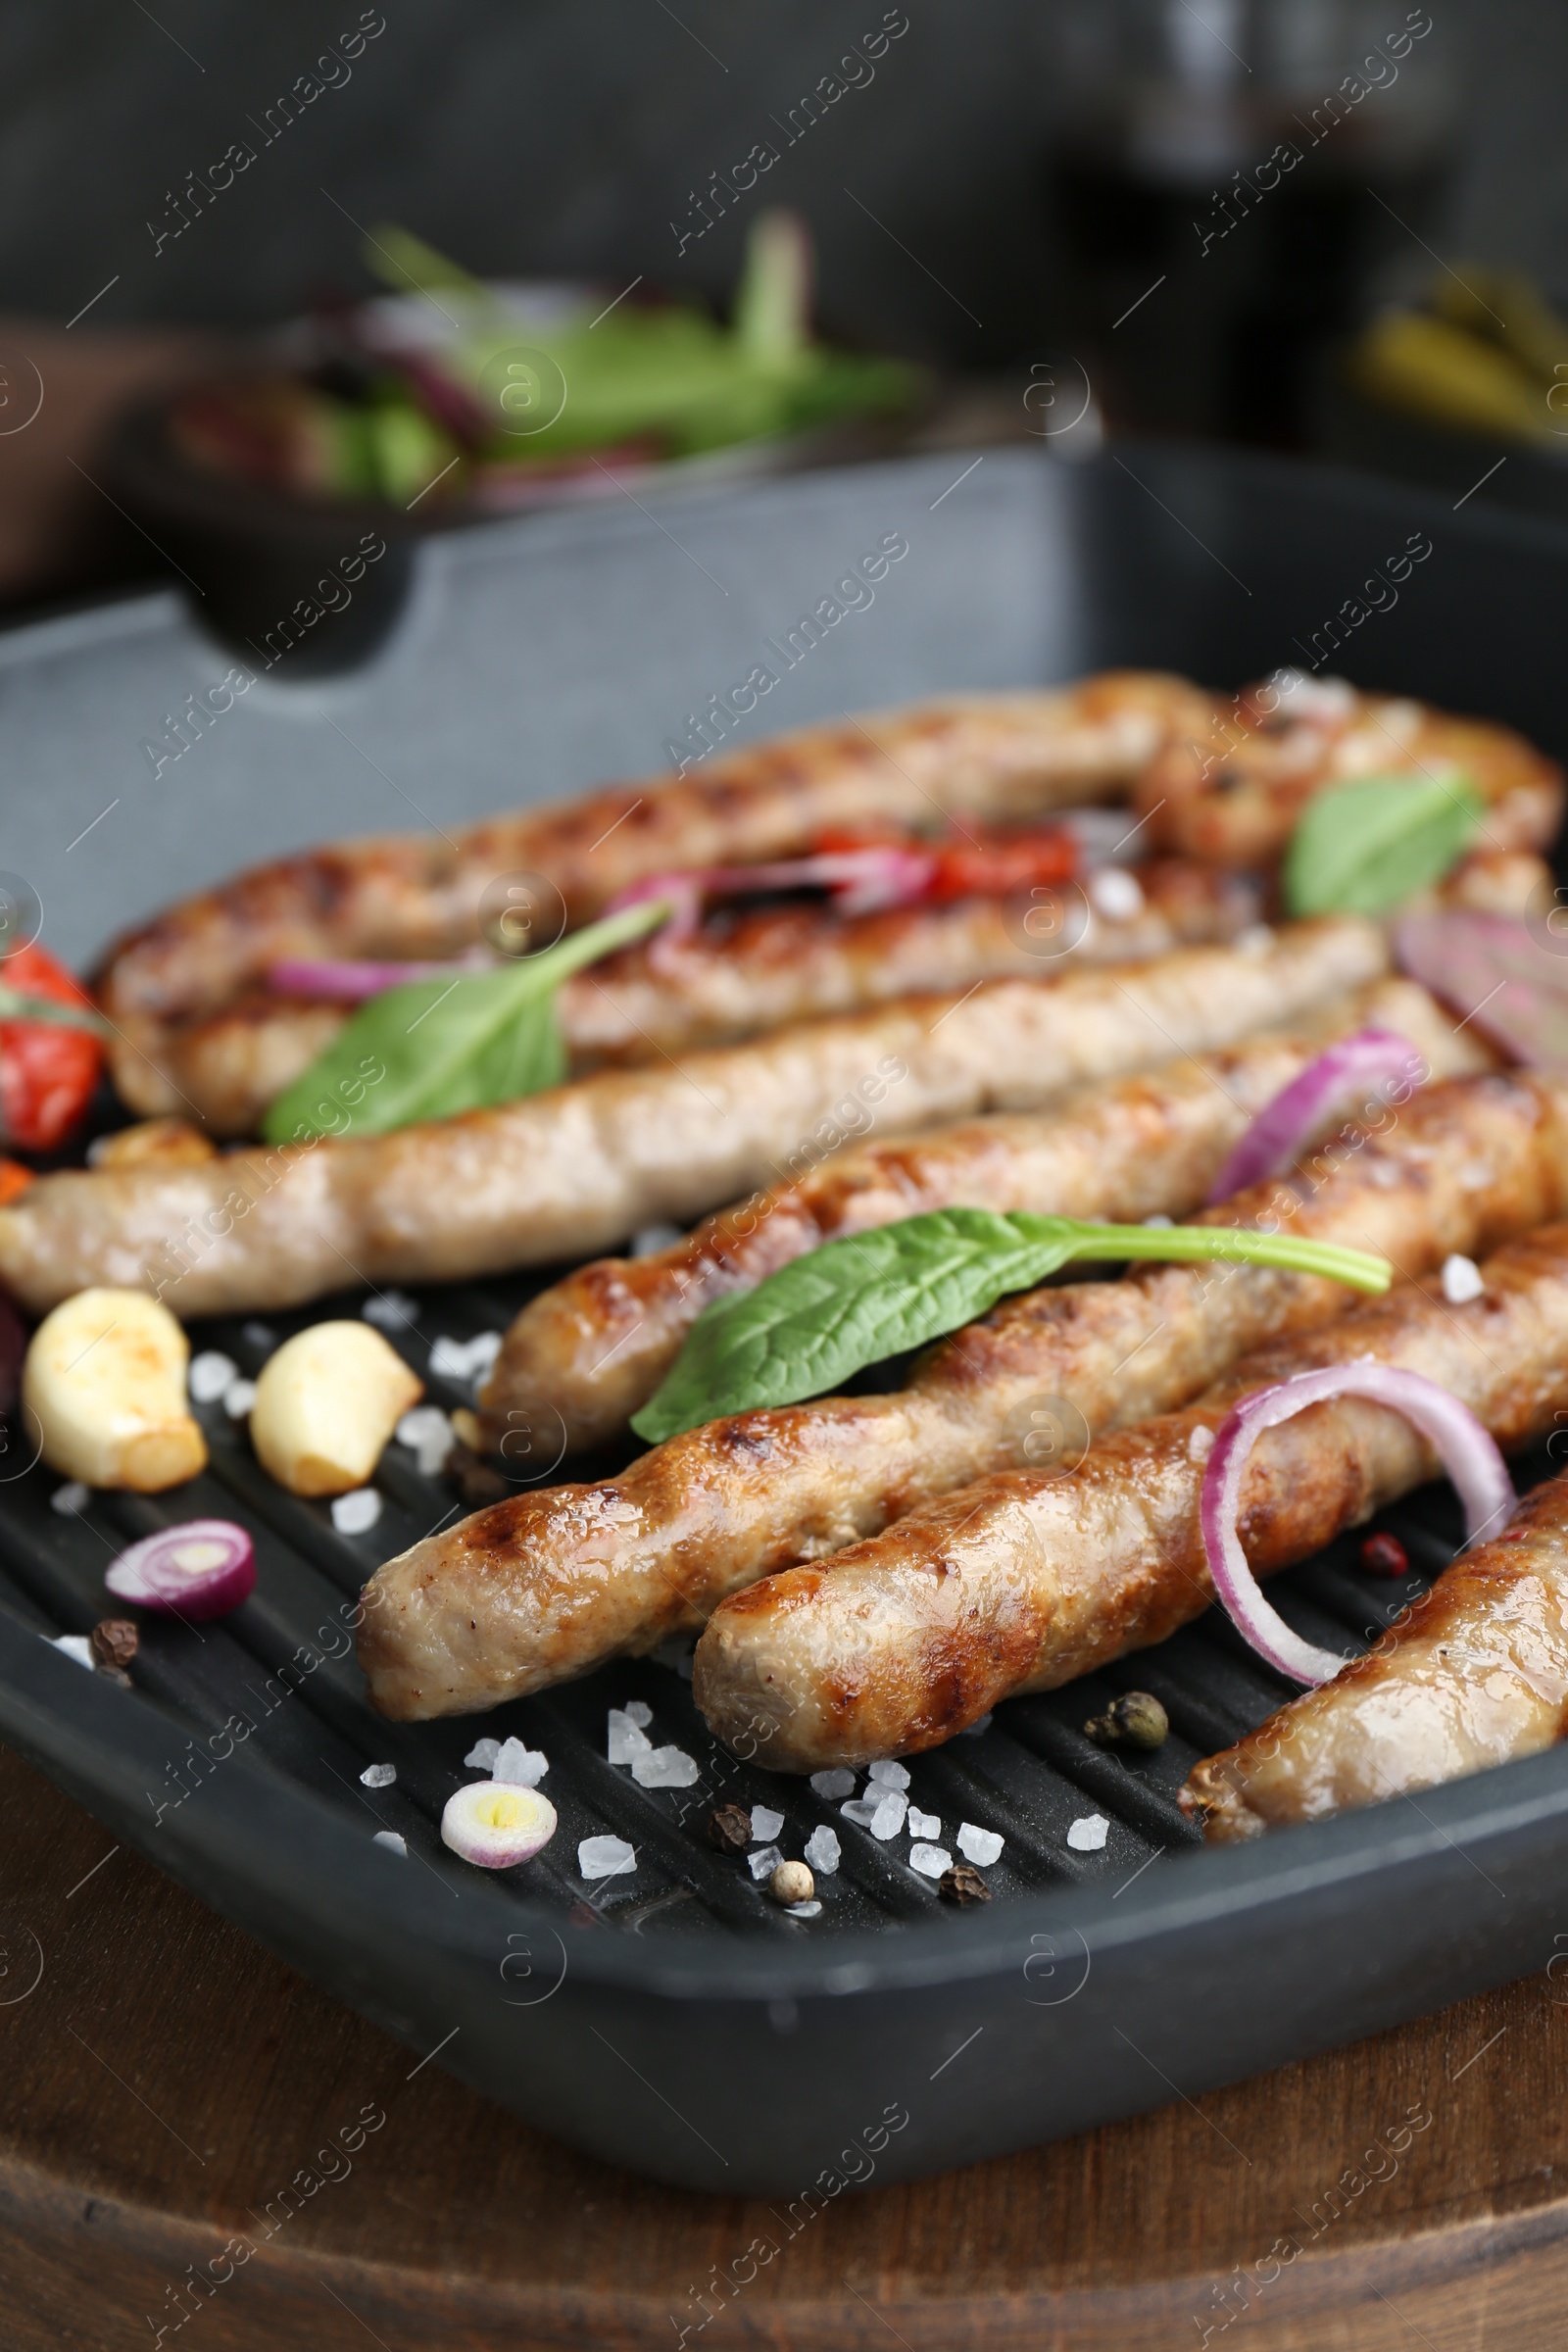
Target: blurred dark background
(970,197)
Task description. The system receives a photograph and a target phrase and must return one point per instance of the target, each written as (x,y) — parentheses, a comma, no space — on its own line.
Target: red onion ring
(1468,1451)
(351,981)
(201,1569)
(1283,1128)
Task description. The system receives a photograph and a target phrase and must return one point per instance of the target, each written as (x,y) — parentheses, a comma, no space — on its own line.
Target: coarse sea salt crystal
(449,1358)
(978,1846)
(639,1710)
(972,1730)
(677,1654)
(73,1646)
(1089,1832)
(649,1240)
(238,1398)
(891,1774)
(356,1513)
(888,1819)
(1115,894)
(378,1775)
(520,1766)
(837,1781)
(482,1754)
(392,1842)
(428,1433)
(765,1823)
(665,1768)
(70,1499)
(925,1824)
(391,1310)
(1462,1280)
(765,1862)
(625,1738)
(483,1349)
(823,1851)
(210,1375)
(929,1860)
(604,1857)
(809,1910)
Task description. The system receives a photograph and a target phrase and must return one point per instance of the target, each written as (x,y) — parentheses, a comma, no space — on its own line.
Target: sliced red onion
(1509,978)
(1284,1128)
(497,1824)
(862,881)
(202,1569)
(350,981)
(1467,1449)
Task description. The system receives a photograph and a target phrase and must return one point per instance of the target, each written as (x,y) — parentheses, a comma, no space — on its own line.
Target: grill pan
(674,2020)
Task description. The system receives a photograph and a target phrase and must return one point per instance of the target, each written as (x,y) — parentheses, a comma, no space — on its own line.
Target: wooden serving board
(163,2083)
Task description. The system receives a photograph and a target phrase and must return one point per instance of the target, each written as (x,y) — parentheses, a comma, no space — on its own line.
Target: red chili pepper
(47,1071)
(991,866)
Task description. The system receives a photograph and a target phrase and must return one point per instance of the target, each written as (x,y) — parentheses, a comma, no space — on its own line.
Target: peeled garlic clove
(327,1403)
(105,1378)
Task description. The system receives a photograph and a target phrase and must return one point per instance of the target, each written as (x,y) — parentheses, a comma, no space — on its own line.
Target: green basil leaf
(804,1330)
(1366,846)
(432,1049)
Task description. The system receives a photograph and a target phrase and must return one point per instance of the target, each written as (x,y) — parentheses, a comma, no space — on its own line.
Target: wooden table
(162,2081)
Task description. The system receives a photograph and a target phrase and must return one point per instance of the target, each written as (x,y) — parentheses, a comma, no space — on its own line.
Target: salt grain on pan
(973,1731)
(640,1711)
(1115,894)
(880,1810)
(604,1857)
(210,1375)
(1087,1832)
(764,1863)
(392,1842)
(837,1781)
(259,1336)
(765,1823)
(823,1851)
(665,1768)
(464,1359)
(391,1310)
(925,1824)
(70,1499)
(625,1738)
(652,1237)
(891,1774)
(931,1861)
(429,1435)
(482,1754)
(677,1654)
(238,1397)
(355,1514)
(803,1910)
(1461,1280)
(378,1775)
(73,1646)
(978,1846)
(520,1765)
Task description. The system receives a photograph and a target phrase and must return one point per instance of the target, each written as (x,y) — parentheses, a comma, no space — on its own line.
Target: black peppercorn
(962,1884)
(729,1828)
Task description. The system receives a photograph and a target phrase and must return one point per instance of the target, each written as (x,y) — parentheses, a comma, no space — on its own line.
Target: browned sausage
(730,980)
(1000,757)
(594,1348)
(574,1170)
(1024,1582)
(1474,1675)
(1231,793)
(540,1587)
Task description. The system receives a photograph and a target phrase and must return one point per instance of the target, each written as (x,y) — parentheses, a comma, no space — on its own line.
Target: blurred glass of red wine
(1234,183)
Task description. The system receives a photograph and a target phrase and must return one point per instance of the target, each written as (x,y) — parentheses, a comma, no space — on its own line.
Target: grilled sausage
(1474,1675)
(1231,793)
(592,1349)
(1025,1581)
(1000,757)
(730,980)
(540,1587)
(572,1170)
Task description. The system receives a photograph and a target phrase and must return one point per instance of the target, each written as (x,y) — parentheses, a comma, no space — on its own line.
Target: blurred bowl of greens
(450,400)
(1467,392)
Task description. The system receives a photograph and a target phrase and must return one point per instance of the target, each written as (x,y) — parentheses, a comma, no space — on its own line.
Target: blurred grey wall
(565,137)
